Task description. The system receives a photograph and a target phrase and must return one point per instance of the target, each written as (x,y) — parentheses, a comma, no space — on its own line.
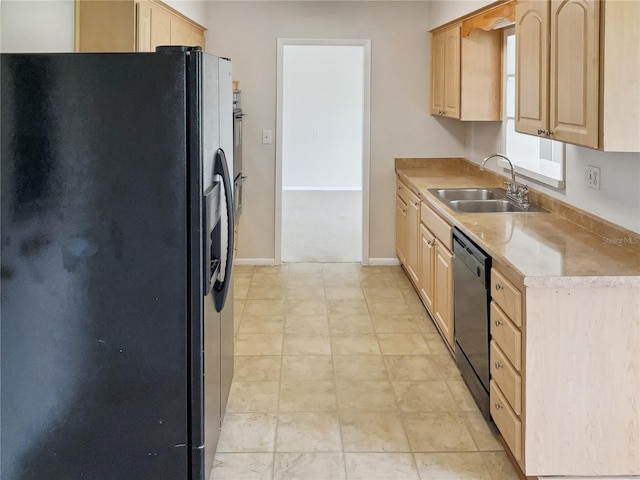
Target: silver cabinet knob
(499,286)
(498,323)
(498,365)
(498,406)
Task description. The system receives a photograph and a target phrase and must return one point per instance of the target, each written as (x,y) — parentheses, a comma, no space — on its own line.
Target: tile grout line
(275,433)
(335,379)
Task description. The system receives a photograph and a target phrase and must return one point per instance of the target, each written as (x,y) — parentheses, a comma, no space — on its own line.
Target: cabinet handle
(404,210)
(499,286)
(498,406)
(498,323)
(540,131)
(498,365)
(431,243)
(399,188)
(415,204)
(549,133)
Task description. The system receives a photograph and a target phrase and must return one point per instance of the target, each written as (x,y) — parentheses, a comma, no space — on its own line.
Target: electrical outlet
(267,137)
(593,177)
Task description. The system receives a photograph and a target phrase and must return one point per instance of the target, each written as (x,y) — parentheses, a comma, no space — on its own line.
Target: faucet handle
(511,188)
(523,195)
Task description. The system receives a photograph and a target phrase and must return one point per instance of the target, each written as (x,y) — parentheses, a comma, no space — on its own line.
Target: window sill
(535,176)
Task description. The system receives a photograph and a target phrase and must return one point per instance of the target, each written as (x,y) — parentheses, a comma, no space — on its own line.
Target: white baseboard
(384,261)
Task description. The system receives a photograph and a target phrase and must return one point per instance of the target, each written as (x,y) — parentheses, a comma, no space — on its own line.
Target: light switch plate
(593,177)
(267,137)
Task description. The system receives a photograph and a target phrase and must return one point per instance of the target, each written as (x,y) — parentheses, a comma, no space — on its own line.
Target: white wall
(196,10)
(400,124)
(443,11)
(322,116)
(36,26)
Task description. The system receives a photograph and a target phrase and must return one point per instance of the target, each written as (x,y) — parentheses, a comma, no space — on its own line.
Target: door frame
(366,134)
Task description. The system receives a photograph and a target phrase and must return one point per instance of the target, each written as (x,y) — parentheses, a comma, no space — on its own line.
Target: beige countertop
(543,249)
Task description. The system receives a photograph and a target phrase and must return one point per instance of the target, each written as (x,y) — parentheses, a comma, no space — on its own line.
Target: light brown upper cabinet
(132,26)
(445,72)
(466,73)
(577,72)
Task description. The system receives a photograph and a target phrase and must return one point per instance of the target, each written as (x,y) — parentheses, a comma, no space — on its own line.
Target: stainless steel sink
(486,206)
(470,193)
(481,200)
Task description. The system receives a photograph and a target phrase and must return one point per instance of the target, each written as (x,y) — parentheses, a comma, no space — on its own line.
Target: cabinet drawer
(507,378)
(440,228)
(507,296)
(403,191)
(507,422)
(506,335)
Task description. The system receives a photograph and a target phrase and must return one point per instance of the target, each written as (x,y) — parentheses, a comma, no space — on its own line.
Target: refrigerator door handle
(220,288)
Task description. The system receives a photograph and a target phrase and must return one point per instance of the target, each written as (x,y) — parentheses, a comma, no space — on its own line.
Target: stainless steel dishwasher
(471,293)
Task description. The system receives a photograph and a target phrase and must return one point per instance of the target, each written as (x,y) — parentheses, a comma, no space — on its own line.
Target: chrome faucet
(519,194)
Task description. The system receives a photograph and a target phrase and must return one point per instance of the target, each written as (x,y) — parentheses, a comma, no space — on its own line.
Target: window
(539,159)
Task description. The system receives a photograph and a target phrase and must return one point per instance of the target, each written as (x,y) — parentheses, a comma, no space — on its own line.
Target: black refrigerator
(116,281)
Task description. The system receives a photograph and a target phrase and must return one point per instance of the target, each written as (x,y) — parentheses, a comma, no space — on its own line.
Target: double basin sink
(481,200)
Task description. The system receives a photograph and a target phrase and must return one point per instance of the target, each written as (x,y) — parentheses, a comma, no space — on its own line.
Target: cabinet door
(574,71)
(401,230)
(413,224)
(105,26)
(443,295)
(143,33)
(427,254)
(160,27)
(180,32)
(532,66)
(184,33)
(153,27)
(452,71)
(437,73)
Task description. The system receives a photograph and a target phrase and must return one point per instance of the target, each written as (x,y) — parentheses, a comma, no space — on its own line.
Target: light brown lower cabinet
(443,296)
(565,369)
(436,281)
(427,255)
(413,229)
(505,362)
(436,266)
(565,380)
(407,230)
(423,246)
(401,229)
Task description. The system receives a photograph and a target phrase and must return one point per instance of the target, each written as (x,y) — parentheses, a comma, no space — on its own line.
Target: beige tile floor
(340,374)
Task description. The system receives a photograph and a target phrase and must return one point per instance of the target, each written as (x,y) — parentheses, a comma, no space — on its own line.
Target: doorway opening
(322,166)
